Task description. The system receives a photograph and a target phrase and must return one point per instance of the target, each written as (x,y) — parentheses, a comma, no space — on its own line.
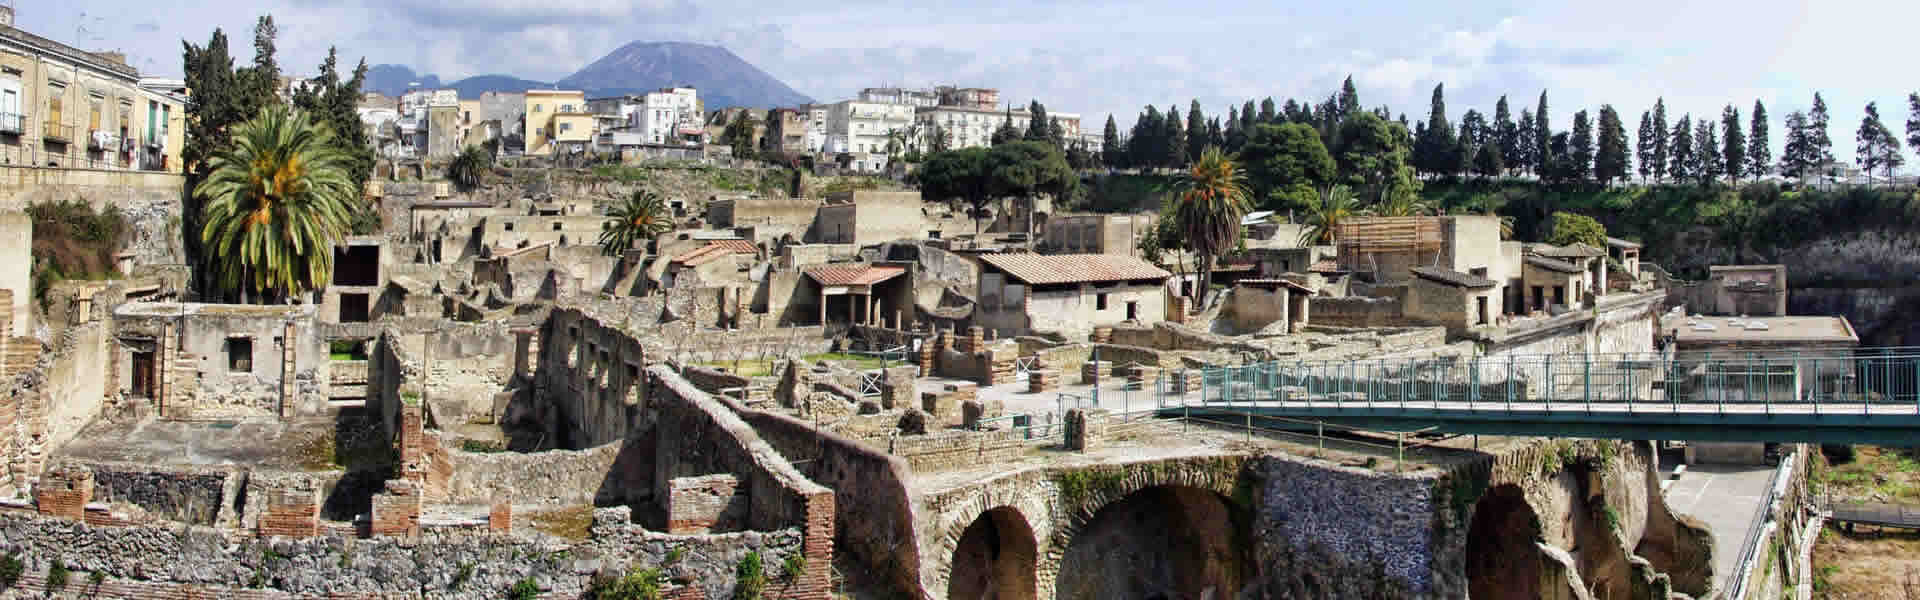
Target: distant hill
(724,80)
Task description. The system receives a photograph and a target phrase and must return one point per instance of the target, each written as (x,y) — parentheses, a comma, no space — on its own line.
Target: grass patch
(57,576)
(524,589)
(569,523)
(1875,474)
(481,447)
(621,173)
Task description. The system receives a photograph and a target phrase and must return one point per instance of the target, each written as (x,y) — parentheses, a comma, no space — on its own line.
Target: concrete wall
(574,230)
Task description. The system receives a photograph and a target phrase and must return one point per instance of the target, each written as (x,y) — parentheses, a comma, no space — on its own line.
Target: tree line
(1291,149)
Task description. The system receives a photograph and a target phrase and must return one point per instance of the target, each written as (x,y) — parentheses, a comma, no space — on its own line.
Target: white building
(816,118)
(416,102)
(667,116)
(914,98)
(973,127)
(862,129)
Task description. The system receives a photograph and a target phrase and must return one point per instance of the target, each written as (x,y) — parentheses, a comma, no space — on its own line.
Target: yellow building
(556,116)
(64,107)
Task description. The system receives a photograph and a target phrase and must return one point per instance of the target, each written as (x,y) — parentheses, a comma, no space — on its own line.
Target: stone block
(65,491)
(1086,429)
(1042,380)
(913,422)
(1092,371)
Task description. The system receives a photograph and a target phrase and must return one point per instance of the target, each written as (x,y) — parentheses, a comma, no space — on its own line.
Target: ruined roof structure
(856,274)
(1574,250)
(1074,268)
(713,251)
(1453,278)
(1549,264)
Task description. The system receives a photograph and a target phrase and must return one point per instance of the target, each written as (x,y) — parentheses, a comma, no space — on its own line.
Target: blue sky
(1097,58)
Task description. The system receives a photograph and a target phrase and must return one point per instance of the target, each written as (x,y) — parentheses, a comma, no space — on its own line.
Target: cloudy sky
(1114,57)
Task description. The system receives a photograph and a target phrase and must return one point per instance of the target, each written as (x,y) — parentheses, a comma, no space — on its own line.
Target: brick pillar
(397,512)
(293,510)
(816,544)
(65,491)
(971,412)
(1086,428)
(286,371)
(413,434)
(500,515)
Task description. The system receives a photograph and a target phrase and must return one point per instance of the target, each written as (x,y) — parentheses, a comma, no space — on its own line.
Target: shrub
(525,589)
(795,565)
(752,577)
(57,576)
(638,584)
(10,569)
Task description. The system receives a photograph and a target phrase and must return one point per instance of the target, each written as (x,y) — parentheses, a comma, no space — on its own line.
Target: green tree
(1526,155)
(1506,132)
(1707,161)
(1875,146)
(1175,139)
(1026,168)
(1610,158)
(1570,228)
(336,103)
(640,218)
(1733,145)
(958,174)
(1007,132)
(469,168)
(1038,125)
(739,135)
(1110,150)
(1580,158)
(1212,198)
(1373,154)
(1913,120)
(1661,146)
(1434,147)
(1543,136)
(1196,130)
(1819,145)
(1487,162)
(1680,160)
(1643,147)
(1334,205)
(1759,147)
(276,200)
(1143,147)
(1247,118)
(1796,157)
(1266,110)
(1349,98)
(1285,164)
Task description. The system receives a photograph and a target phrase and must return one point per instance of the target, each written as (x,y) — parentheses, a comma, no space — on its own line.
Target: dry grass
(570,523)
(1871,564)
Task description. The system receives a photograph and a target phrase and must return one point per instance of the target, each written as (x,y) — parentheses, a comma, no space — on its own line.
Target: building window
(509,225)
(538,108)
(556,225)
(240,355)
(354,308)
(1133,311)
(1100,301)
(1481,304)
(564,127)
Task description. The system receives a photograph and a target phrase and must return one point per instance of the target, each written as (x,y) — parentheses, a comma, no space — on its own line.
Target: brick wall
(65,491)
(957,449)
(703,504)
(397,512)
(293,510)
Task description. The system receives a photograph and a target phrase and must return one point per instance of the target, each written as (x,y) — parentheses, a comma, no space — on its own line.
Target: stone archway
(1503,560)
(996,559)
(1166,541)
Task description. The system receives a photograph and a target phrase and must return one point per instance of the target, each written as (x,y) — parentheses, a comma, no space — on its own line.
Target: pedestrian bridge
(1867,395)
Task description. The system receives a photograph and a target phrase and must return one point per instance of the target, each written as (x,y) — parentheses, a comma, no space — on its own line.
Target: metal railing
(13,123)
(1750,547)
(1860,379)
(53,131)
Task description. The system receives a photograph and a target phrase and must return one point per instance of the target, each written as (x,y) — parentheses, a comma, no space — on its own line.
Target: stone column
(1086,428)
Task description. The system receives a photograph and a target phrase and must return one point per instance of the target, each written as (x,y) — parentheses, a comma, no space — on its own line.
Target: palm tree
(1335,206)
(275,202)
(1399,205)
(470,167)
(1212,197)
(641,217)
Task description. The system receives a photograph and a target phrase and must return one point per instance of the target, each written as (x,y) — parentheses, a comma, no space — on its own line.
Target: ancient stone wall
(197,495)
(590,386)
(611,473)
(149,201)
(947,450)
(1357,311)
(1320,527)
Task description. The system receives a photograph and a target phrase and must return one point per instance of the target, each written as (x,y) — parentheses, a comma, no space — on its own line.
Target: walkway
(1883,515)
(1726,498)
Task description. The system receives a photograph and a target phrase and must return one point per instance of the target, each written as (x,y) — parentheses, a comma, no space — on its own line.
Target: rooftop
(1073,268)
(854,274)
(1765,329)
(1553,265)
(1622,244)
(1573,250)
(713,250)
(1455,278)
(184,309)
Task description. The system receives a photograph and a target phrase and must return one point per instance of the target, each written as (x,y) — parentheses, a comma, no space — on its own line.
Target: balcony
(102,141)
(53,131)
(12,123)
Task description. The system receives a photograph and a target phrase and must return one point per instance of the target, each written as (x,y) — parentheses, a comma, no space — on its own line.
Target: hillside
(723,79)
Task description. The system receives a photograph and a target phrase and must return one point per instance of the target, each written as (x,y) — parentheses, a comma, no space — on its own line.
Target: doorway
(143,375)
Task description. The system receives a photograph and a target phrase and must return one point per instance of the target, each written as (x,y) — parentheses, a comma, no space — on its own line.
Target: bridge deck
(1883,515)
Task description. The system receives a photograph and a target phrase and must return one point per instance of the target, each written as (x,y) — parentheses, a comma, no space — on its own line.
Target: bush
(638,584)
(752,578)
(1569,228)
(57,576)
(525,589)
(10,569)
(795,566)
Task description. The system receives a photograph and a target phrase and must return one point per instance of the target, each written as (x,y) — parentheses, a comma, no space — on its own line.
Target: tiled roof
(854,274)
(1324,265)
(714,250)
(1453,278)
(1553,265)
(1074,268)
(1574,250)
(1620,243)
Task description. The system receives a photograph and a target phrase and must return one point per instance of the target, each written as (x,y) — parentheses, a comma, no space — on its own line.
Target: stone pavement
(1726,497)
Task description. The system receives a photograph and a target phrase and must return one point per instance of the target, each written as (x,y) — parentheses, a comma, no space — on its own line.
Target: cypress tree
(1266,110)
(1526,149)
(1819,145)
(1215,137)
(1794,156)
(1680,151)
(1733,145)
(1247,119)
(1659,139)
(1196,129)
(1505,131)
(1038,125)
(1876,146)
(1174,141)
(1143,148)
(1913,121)
(1543,132)
(1110,151)
(1610,159)
(1580,168)
(1349,98)
(1707,160)
(1434,148)
(1759,148)
(1643,146)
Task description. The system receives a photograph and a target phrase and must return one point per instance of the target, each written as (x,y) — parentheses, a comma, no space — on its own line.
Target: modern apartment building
(65,107)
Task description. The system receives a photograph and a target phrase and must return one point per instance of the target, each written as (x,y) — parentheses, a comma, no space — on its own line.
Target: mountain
(394,80)
(724,80)
(471,87)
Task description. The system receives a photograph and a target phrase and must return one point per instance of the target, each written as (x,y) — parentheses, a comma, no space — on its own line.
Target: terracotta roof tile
(1553,265)
(1324,265)
(854,274)
(714,250)
(1073,268)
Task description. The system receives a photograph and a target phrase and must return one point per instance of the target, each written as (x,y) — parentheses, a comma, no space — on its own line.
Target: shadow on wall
(1159,542)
